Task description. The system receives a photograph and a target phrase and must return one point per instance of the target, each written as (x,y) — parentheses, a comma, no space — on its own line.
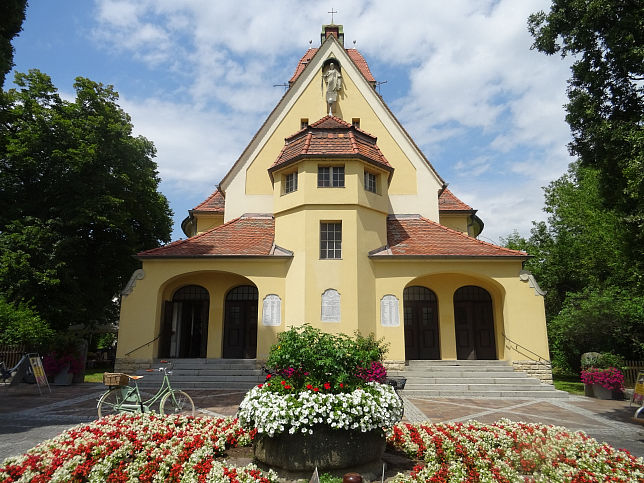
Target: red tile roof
(417,236)
(215,204)
(448,202)
(331,137)
(244,236)
(353,54)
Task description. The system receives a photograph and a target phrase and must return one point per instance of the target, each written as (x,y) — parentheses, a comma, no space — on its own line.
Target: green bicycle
(121,397)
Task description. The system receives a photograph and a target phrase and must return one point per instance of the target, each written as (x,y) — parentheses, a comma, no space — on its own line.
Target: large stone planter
(601,392)
(326,449)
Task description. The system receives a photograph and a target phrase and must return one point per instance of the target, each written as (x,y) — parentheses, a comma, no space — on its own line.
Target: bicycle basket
(115,379)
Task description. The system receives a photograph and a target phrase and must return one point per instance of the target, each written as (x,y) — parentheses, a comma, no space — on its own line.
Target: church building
(332,216)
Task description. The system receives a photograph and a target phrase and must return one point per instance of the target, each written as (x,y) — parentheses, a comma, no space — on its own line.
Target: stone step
(476,387)
(419,363)
(210,372)
(207,378)
(544,394)
(454,374)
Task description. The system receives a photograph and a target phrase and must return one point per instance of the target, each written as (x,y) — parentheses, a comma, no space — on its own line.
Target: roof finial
(332,12)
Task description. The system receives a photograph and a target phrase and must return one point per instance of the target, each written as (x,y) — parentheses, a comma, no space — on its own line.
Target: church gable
(415,185)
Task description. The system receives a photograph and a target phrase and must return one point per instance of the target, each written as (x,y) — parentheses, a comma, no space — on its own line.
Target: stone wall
(540,369)
(392,365)
(130,366)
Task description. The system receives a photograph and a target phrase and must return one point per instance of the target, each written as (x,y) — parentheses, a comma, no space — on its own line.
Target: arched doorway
(474,322)
(185,331)
(421,324)
(240,323)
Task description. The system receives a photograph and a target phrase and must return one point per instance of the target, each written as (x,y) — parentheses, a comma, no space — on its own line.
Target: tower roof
(331,137)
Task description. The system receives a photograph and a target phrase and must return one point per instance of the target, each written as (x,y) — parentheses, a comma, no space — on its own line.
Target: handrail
(143,345)
(525,349)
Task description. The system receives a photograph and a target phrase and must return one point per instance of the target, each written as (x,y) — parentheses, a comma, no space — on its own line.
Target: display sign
(638,392)
(39,371)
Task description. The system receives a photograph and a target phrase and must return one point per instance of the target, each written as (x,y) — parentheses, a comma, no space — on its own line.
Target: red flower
(315,389)
(327,386)
(268,376)
(308,386)
(260,385)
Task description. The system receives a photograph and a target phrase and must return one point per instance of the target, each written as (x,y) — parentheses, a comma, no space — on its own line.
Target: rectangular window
(304,123)
(371,182)
(290,182)
(330,176)
(330,240)
(356,122)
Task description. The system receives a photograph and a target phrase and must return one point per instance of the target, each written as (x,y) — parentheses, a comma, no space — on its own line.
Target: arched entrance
(240,323)
(474,322)
(421,324)
(185,331)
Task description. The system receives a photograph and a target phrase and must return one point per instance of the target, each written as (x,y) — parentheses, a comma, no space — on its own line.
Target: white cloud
(468,63)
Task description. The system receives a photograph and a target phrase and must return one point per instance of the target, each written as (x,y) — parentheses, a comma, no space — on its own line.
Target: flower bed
(509,452)
(137,448)
(154,448)
(373,407)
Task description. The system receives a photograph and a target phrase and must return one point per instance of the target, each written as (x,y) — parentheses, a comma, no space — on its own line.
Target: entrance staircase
(471,379)
(462,379)
(237,374)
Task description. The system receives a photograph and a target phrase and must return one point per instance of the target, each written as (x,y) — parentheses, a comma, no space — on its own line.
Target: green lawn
(95,374)
(571,384)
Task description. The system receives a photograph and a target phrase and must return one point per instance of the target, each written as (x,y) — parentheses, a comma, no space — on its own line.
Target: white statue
(333,81)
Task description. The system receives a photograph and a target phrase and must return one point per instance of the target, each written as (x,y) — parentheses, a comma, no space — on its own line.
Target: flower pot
(601,392)
(64,377)
(326,449)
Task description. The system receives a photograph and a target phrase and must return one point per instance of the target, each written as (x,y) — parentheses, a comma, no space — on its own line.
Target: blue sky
(197,78)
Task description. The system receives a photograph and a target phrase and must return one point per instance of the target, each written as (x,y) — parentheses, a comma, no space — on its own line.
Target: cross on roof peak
(332,12)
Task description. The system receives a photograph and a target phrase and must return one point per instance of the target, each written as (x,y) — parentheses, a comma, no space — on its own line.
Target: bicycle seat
(135,377)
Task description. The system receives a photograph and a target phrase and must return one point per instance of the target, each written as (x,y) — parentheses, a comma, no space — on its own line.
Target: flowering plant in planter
(372,407)
(317,378)
(610,378)
(54,363)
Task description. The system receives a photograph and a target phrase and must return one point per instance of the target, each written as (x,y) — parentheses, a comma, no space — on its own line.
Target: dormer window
(371,182)
(355,122)
(290,182)
(304,123)
(330,176)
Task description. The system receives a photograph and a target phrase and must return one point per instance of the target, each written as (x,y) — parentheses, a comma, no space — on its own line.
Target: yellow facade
(295,281)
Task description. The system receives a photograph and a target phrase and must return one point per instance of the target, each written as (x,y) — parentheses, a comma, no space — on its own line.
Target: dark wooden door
(184,331)
(474,321)
(240,323)
(421,324)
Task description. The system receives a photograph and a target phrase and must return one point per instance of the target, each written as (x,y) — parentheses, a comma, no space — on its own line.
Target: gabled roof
(304,74)
(247,236)
(354,55)
(214,204)
(328,138)
(448,203)
(415,236)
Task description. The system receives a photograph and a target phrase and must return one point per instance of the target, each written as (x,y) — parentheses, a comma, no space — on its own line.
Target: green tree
(606,102)
(594,300)
(12,15)
(78,197)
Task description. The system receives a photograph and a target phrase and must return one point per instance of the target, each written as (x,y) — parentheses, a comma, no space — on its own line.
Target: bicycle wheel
(177,402)
(110,402)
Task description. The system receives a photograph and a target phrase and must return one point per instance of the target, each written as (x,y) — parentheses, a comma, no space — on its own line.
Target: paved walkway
(27,418)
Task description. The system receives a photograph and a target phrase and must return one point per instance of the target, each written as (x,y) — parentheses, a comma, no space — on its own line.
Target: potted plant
(324,403)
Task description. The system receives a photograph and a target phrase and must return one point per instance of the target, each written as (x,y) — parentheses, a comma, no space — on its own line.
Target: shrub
(21,325)
(307,356)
